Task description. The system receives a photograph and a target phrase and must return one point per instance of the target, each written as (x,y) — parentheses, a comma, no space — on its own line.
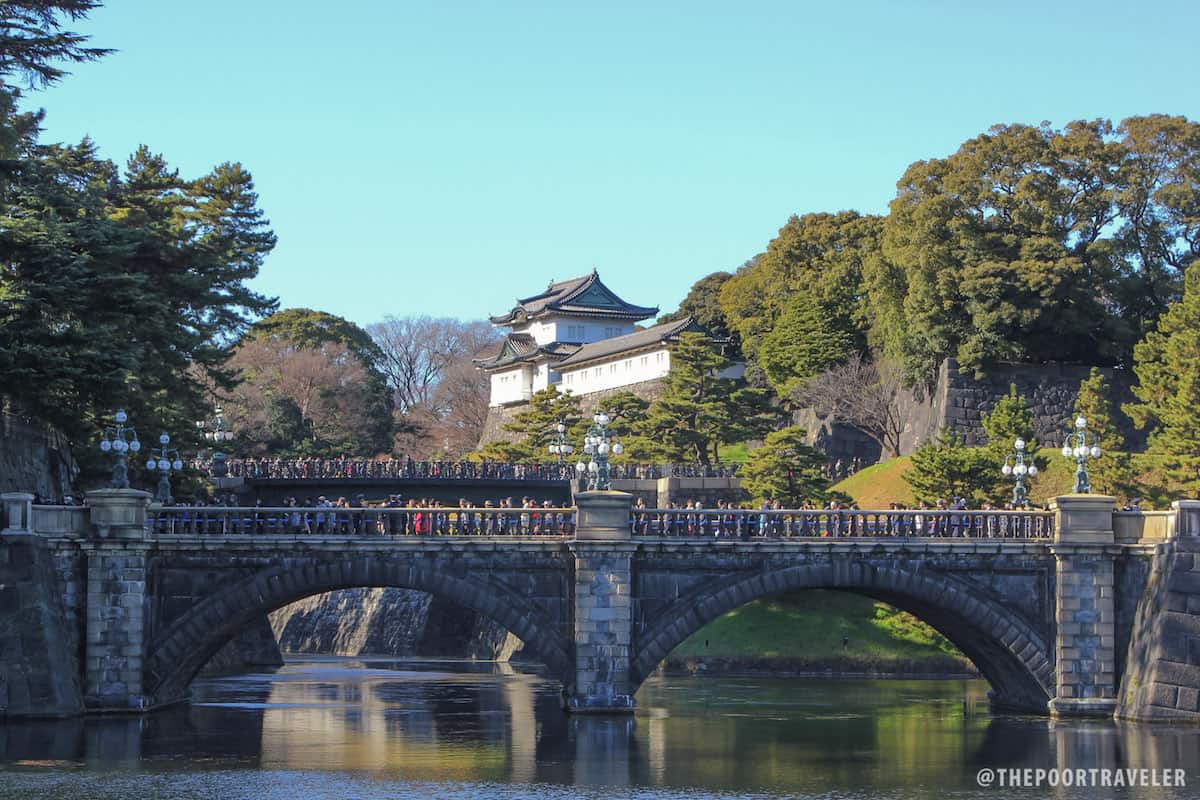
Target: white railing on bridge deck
(826,523)
(360,522)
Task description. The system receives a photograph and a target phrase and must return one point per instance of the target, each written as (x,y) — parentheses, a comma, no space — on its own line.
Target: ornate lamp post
(598,444)
(167,460)
(1076,446)
(1019,465)
(217,431)
(120,440)
(560,446)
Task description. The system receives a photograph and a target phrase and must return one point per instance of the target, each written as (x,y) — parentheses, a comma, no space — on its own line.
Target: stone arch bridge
(1076,611)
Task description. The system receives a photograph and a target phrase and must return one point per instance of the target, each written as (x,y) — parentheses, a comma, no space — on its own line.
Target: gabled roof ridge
(560,296)
(556,287)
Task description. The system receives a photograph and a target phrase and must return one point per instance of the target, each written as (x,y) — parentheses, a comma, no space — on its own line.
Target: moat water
(374,728)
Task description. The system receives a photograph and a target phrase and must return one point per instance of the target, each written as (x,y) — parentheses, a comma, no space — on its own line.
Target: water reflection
(461,726)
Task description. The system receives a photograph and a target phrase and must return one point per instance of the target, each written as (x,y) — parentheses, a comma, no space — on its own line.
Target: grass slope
(806,628)
(879,485)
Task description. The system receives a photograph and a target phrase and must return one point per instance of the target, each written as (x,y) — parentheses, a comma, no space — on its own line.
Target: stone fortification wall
(34,458)
(388,622)
(959,399)
(499,416)
(38,664)
(254,648)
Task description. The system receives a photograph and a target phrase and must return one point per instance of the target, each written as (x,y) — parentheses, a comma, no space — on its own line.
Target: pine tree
(1010,419)
(1112,473)
(1181,417)
(535,427)
(944,469)
(625,410)
(699,409)
(1166,364)
(786,469)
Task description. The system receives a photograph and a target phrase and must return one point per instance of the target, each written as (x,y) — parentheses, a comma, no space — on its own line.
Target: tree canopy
(819,255)
(1037,244)
(703,304)
(309,385)
(786,468)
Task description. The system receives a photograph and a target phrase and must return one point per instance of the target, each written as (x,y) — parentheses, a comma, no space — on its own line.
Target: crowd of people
(529,516)
(356,516)
(344,467)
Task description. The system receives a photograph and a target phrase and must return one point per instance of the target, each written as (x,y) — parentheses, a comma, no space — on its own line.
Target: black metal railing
(823,523)
(390,469)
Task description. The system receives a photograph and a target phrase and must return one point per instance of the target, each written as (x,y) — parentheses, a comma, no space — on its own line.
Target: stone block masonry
(1162,674)
(38,669)
(1085,606)
(603,627)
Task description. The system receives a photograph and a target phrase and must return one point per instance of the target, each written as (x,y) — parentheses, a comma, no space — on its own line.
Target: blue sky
(444,157)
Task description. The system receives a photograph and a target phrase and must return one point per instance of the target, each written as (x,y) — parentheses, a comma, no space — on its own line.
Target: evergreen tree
(1034,244)
(1166,364)
(703,305)
(819,254)
(33,44)
(786,469)
(699,409)
(535,427)
(625,410)
(803,343)
(944,469)
(1010,419)
(116,288)
(1113,472)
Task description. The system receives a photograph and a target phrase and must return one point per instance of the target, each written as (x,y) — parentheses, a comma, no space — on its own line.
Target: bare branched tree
(861,394)
(441,399)
(417,351)
(324,384)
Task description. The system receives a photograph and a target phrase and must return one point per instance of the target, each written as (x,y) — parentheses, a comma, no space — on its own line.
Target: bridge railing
(362,522)
(385,469)
(53,520)
(825,523)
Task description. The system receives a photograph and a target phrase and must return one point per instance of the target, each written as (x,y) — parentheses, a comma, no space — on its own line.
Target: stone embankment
(388,622)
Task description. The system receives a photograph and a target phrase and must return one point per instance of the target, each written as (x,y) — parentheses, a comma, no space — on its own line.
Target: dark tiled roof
(659,334)
(584,296)
(520,347)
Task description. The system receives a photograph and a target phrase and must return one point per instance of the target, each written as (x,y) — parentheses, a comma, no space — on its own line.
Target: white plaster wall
(512,386)
(620,371)
(574,329)
(541,377)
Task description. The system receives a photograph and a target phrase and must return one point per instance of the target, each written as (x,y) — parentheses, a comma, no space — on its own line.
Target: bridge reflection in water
(471,724)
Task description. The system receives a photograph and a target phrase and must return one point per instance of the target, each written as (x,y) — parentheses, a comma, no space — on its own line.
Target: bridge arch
(177,655)
(1012,656)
